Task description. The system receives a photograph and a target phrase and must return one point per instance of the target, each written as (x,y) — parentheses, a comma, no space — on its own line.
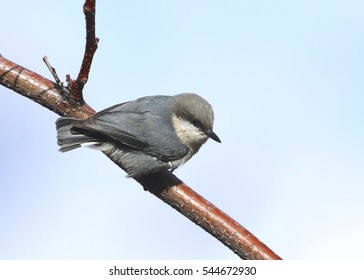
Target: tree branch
(76,86)
(40,90)
(163,185)
(174,192)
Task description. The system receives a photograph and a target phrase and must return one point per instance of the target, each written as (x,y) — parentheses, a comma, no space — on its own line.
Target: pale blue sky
(285,79)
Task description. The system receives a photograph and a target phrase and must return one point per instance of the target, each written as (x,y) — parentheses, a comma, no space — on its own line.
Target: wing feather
(142,124)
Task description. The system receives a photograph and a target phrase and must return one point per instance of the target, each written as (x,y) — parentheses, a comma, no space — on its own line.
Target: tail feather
(68,140)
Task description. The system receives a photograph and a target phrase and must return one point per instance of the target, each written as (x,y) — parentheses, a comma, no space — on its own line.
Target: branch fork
(74,89)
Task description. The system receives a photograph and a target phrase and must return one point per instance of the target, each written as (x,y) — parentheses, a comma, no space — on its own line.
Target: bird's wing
(136,127)
(122,127)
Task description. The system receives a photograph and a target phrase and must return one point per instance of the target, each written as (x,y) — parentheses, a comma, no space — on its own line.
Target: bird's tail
(67,139)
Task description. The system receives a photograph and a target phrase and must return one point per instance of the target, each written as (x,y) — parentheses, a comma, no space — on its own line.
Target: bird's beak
(213,136)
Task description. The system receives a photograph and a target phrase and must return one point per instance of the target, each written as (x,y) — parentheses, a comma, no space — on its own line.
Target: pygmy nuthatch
(144,136)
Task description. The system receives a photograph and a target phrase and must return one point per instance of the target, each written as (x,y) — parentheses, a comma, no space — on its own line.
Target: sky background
(285,79)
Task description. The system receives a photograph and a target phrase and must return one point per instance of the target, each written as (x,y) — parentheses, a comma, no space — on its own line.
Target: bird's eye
(196,123)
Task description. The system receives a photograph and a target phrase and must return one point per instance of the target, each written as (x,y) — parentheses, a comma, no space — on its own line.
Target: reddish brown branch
(40,89)
(217,223)
(76,86)
(174,192)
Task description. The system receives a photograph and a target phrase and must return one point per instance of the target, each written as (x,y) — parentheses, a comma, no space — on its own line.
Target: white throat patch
(190,135)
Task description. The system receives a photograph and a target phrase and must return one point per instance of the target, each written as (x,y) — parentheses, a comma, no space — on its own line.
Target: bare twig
(53,72)
(76,86)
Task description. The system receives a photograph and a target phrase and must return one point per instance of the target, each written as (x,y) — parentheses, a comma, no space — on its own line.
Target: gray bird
(144,136)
